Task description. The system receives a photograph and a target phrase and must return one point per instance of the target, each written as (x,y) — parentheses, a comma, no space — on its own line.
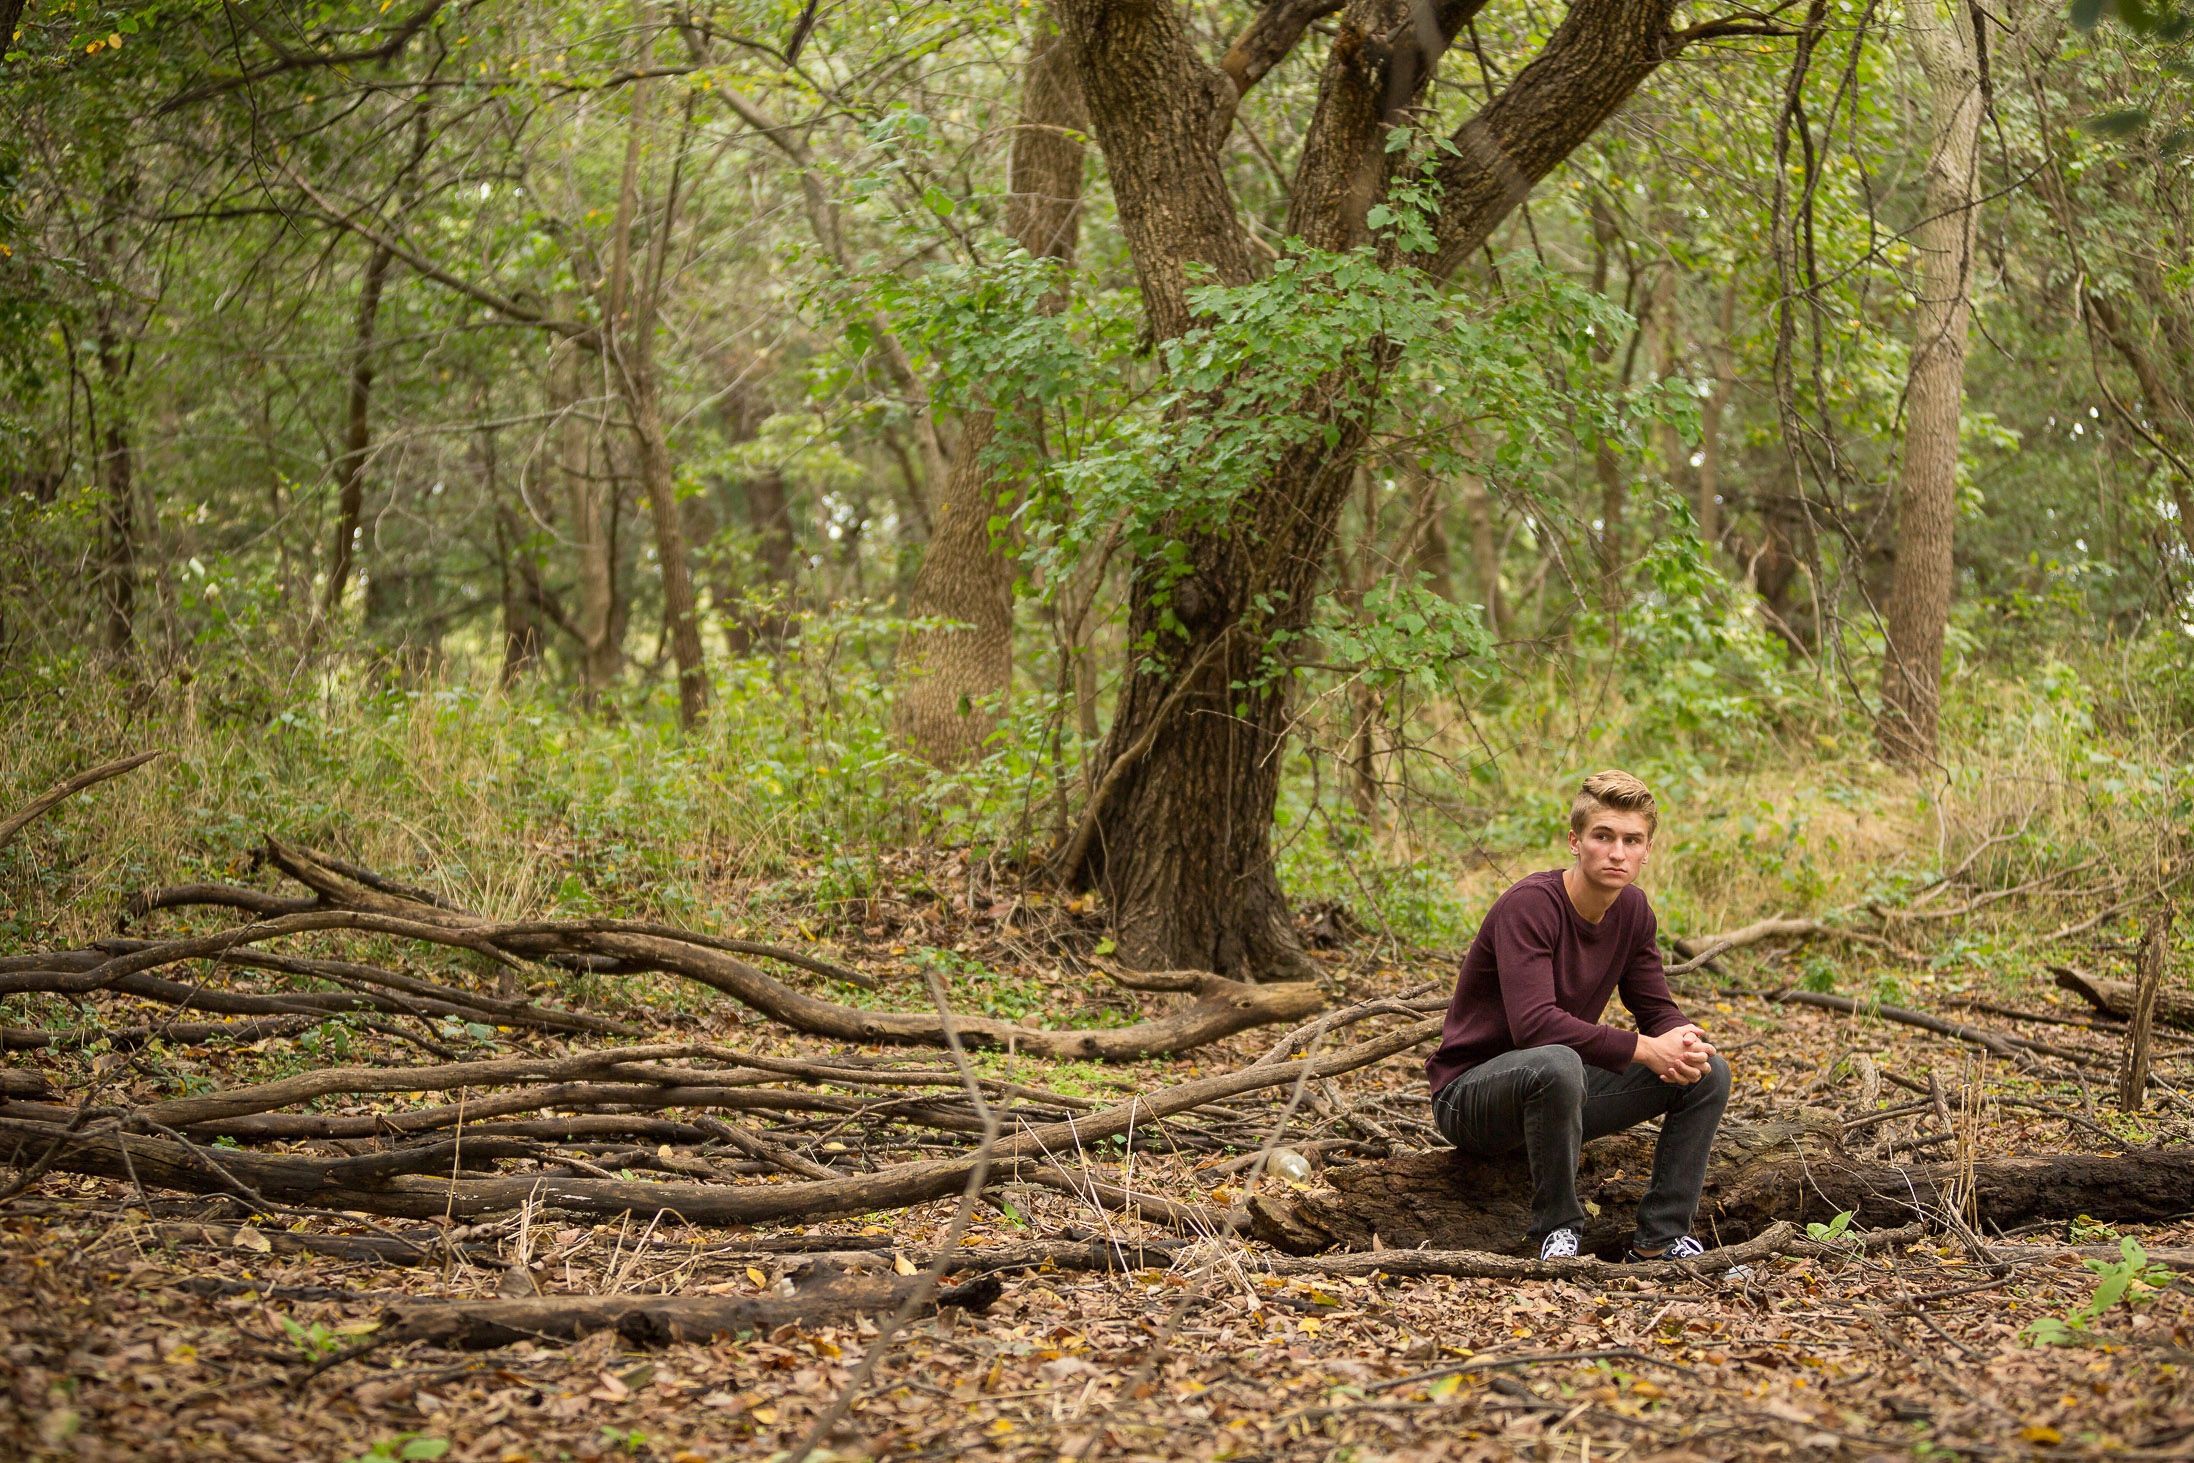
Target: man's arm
(1669,1043)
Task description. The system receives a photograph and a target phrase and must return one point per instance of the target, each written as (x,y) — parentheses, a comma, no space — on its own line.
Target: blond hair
(1615,791)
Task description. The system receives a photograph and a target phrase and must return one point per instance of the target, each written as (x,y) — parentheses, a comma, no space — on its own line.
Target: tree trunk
(597,626)
(1177,831)
(1927,488)
(1709,501)
(1666,334)
(636,300)
(1431,554)
(1485,552)
(953,681)
(350,471)
(769,511)
(118,490)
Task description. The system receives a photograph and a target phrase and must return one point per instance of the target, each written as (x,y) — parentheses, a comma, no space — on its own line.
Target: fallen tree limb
(1760,1174)
(1188,1218)
(216,896)
(178,1033)
(1705,948)
(1780,1238)
(1224,1009)
(63,972)
(2000,1042)
(2116,997)
(171,1163)
(255,901)
(183,1112)
(60,792)
(659,1320)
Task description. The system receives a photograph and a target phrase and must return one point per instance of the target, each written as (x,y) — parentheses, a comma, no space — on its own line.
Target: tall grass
(526,803)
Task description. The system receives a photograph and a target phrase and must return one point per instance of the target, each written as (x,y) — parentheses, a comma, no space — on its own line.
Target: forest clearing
(825,730)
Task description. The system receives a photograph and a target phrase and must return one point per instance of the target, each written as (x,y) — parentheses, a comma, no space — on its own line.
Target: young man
(1524,1062)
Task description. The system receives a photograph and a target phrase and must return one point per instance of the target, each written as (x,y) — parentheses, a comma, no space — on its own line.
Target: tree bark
(1485,552)
(1709,501)
(597,626)
(1927,487)
(1431,553)
(1177,830)
(636,298)
(954,681)
(350,470)
(118,490)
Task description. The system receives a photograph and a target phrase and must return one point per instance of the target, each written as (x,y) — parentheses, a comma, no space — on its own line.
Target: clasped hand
(1680,1057)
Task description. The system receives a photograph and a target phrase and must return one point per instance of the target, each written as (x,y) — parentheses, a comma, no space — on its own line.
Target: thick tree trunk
(350,470)
(1927,488)
(1177,829)
(953,681)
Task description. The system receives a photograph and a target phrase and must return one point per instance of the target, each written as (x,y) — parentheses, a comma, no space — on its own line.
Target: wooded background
(1170,447)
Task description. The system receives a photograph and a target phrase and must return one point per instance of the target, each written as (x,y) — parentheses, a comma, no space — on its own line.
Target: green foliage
(2130,1278)
(1832,1231)
(318,1341)
(404,1448)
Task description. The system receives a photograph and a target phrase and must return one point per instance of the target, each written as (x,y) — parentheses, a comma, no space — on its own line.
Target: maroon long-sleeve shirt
(1539,975)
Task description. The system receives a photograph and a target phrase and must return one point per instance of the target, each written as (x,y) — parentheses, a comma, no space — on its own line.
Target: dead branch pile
(352,899)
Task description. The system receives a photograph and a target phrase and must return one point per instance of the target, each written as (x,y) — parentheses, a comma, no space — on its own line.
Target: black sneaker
(1561,1244)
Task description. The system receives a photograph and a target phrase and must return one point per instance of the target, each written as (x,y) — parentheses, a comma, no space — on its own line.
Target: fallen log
(659,1320)
(2117,997)
(1760,1174)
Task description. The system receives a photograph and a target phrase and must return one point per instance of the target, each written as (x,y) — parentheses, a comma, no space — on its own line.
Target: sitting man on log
(1523,1061)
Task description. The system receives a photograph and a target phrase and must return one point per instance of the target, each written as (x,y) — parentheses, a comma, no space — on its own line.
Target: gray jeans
(1545,1100)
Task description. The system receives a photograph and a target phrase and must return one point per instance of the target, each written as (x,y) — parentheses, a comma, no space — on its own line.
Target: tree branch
(287,60)
(1594,60)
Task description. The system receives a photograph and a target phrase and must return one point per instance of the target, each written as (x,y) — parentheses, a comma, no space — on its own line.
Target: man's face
(1612,849)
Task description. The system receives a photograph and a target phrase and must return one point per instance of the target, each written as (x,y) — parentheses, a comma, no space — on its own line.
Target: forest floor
(117,1344)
